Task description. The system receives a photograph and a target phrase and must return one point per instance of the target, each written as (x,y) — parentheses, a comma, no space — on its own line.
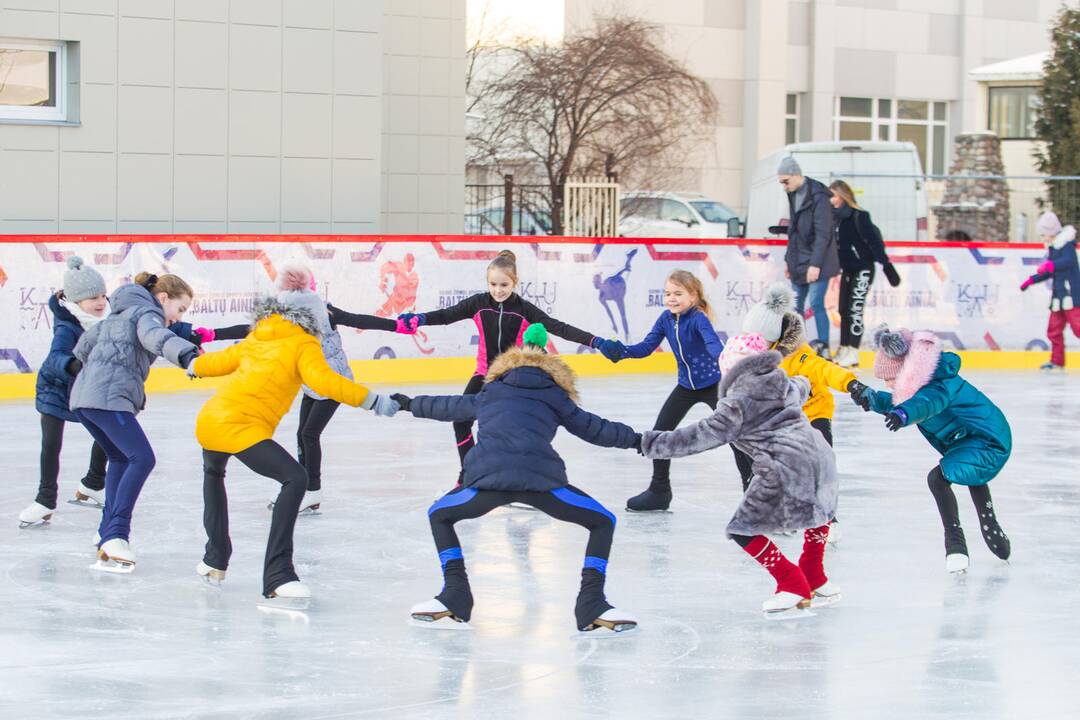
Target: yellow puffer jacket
(800,359)
(268,368)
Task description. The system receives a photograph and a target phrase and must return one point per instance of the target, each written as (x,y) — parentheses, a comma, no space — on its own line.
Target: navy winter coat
(811,241)
(694,342)
(527,397)
(1065,280)
(54,382)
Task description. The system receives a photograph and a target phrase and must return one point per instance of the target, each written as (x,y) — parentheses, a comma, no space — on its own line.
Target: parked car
(886,177)
(489,221)
(676,214)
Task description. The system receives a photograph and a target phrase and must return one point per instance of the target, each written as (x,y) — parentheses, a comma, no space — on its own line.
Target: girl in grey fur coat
(794,482)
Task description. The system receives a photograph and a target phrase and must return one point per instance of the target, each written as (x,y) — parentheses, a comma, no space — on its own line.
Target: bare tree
(610,96)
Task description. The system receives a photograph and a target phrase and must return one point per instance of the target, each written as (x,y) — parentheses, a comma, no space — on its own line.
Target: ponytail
(171,285)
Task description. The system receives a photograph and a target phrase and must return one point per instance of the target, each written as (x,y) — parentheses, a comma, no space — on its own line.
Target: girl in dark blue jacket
(690,335)
(1063,272)
(80,304)
(527,396)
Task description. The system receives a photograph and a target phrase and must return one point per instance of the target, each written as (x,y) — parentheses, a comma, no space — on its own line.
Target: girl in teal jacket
(961,423)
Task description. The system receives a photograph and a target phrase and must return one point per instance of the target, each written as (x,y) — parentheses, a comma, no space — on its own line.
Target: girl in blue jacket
(1063,272)
(79,306)
(689,332)
(527,395)
(961,423)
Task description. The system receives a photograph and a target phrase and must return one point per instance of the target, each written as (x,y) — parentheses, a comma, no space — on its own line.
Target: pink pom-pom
(294,277)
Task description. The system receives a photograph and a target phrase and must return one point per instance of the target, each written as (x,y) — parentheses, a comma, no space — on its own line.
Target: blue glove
(896,419)
(412,320)
(613,350)
(381,405)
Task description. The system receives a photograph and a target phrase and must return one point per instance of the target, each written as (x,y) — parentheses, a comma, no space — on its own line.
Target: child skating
(961,423)
(116,355)
(687,327)
(281,352)
(528,395)
(1061,268)
(78,307)
(794,482)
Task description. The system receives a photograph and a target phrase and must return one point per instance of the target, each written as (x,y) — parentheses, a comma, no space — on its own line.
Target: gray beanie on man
(82,282)
(788,166)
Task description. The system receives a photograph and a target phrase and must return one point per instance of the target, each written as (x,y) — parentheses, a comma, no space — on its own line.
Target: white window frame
(39,113)
(890,122)
(792,116)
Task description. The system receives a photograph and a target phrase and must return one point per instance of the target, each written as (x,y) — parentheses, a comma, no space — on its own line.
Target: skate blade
(286,604)
(438,621)
(34,523)
(113,566)
(798,612)
(820,601)
(87,503)
(311,510)
(610,628)
(665,511)
(211,581)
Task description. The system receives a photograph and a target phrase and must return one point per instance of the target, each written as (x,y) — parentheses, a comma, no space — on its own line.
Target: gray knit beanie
(82,282)
(767,317)
(788,166)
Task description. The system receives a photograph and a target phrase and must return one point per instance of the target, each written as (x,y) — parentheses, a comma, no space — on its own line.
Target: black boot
(456,595)
(656,498)
(591,602)
(995,537)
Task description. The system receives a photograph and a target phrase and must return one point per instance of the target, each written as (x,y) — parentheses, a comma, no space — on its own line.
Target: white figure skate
(115,556)
(36,514)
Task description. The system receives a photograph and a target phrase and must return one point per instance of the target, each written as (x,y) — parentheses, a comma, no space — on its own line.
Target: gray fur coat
(760,413)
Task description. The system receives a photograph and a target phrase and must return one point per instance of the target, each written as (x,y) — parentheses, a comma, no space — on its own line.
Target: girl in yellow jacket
(281,352)
(774,318)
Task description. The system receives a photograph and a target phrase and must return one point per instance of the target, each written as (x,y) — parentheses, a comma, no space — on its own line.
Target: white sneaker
(211,575)
(783,601)
(88,497)
(36,514)
(957,563)
(847,357)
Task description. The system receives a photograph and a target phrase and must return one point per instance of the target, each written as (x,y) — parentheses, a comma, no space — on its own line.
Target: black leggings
(955,543)
(463,430)
(52,441)
(268,459)
(314,417)
(568,504)
(672,413)
(854,292)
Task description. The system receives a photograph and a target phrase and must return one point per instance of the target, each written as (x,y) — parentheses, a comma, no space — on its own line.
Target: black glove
(896,419)
(403,400)
(890,274)
(858,394)
(637,444)
(74,365)
(335,317)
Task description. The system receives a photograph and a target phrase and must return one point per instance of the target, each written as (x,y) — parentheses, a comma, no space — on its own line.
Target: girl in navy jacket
(528,395)
(1063,272)
(690,335)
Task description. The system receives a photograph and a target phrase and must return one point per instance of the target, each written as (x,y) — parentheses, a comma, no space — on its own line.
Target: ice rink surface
(907,641)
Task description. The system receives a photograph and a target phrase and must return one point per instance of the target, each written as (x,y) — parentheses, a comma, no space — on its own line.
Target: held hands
(202,335)
(1026,284)
(335,315)
(404,328)
(858,394)
(411,321)
(73,367)
(613,350)
(403,401)
(382,405)
(896,419)
(1046,267)
(812,274)
(637,444)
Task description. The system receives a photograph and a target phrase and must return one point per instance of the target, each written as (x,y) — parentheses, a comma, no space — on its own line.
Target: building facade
(238,116)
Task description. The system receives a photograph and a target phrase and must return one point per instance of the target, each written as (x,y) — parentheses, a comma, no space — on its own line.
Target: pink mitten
(206,334)
(1046,267)
(1026,284)
(405,328)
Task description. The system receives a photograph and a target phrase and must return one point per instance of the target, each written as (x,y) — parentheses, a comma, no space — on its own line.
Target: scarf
(843,212)
(85,319)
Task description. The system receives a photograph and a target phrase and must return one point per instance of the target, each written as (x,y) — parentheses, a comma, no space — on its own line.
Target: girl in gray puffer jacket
(116,355)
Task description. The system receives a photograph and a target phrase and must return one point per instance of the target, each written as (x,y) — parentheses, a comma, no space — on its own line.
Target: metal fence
(982,208)
(508,208)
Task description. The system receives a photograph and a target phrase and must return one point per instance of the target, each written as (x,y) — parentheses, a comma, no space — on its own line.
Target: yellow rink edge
(419,371)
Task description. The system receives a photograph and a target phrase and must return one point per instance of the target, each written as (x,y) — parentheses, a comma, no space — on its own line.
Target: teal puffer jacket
(962,424)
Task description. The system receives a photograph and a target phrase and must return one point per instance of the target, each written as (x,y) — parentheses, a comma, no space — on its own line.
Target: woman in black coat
(859,245)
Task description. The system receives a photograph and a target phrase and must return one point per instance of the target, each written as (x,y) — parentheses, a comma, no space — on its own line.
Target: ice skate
(308,506)
(957,563)
(86,497)
(115,556)
(36,514)
(650,501)
(211,575)
(293,595)
(613,622)
(827,594)
(785,603)
(433,614)
(1051,367)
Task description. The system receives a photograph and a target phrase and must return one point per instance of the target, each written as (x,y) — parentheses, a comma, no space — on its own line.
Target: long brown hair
(506,262)
(691,282)
(841,188)
(171,285)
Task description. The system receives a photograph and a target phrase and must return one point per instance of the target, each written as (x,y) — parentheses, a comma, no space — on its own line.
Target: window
(791,119)
(32,80)
(675,211)
(713,212)
(1013,111)
(645,208)
(921,122)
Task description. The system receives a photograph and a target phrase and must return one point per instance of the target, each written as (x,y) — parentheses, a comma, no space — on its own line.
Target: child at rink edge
(1061,268)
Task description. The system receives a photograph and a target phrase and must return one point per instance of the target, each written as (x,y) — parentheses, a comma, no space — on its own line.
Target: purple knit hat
(892,348)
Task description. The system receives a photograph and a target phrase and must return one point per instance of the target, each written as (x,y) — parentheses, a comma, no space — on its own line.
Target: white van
(675,214)
(886,176)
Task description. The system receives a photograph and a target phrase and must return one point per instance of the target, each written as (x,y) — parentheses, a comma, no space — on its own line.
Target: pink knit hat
(892,348)
(739,348)
(295,277)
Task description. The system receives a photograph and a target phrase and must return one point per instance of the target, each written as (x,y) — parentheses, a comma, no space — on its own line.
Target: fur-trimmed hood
(551,365)
(267,306)
(792,334)
(920,365)
(1067,235)
(758,377)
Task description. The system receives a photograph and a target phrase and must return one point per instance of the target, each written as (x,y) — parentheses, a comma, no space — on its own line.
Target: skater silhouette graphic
(399,281)
(613,289)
